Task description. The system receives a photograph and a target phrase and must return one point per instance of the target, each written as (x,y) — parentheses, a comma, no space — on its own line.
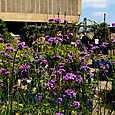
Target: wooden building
(32,11)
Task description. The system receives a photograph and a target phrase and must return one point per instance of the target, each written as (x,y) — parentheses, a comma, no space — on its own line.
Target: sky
(95,9)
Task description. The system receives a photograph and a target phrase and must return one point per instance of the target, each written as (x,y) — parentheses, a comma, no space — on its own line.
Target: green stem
(12,81)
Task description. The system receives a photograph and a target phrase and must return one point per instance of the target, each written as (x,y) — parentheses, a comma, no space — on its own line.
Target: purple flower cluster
(51,85)
(21,45)
(51,40)
(83,60)
(59,100)
(69,76)
(39,96)
(77,41)
(58,114)
(50,20)
(76,104)
(24,67)
(58,20)
(9,49)
(2,52)
(79,79)
(61,71)
(41,61)
(83,53)
(61,65)
(113,40)
(56,57)
(90,74)
(70,93)
(84,68)
(94,48)
(65,21)
(104,44)
(4,72)
(8,56)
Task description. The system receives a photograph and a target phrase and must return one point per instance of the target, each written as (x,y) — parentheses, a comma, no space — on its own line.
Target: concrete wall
(39,10)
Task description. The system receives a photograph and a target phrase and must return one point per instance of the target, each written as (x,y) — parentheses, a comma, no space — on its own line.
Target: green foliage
(4,32)
(102,32)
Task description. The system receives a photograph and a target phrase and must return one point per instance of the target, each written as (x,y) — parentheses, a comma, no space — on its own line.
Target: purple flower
(76,104)
(60,39)
(47,37)
(2,70)
(2,52)
(61,71)
(53,81)
(90,74)
(24,67)
(39,96)
(51,40)
(41,61)
(82,59)
(91,45)
(1,40)
(84,68)
(83,53)
(61,65)
(58,114)
(113,41)
(91,51)
(104,44)
(50,85)
(58,20)
(10,49)
(59,100)
(50,20)
(69,76)
(113,62)
(65,21)
(70,93)
(8,56)
(77,41)
(94,47)
(21,45)
(113,24)
(79,79)
(66,37)
(7,73)
(32,36)
(60,35)
(56,57)
(26,47)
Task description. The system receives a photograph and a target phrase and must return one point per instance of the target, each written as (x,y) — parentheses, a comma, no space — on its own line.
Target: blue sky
(95,9)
